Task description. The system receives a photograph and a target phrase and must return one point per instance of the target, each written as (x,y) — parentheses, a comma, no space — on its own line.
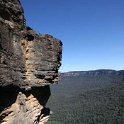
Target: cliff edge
(29,63)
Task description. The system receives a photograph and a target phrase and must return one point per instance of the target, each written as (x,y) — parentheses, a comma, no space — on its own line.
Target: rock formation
(29,63)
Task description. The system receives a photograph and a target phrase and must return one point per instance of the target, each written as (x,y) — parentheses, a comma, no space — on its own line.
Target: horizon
(92,70)
(91,31)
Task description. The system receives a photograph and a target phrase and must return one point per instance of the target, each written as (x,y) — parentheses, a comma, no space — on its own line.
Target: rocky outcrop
(12,12)
(28,64)
(28,59)
(24,107)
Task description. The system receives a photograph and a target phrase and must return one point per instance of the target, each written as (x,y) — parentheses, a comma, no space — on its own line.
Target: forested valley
(91,97)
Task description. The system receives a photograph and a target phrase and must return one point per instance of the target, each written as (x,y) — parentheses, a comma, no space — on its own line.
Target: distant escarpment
(28,64)
(100,72)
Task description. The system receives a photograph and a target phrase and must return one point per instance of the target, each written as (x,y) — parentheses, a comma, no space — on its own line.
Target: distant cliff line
(98,72)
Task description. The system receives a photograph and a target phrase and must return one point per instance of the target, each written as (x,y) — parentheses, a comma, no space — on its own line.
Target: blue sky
(92,31)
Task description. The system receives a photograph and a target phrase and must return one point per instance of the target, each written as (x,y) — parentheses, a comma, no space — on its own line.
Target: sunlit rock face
(27,59)
(28,64)
(24,107)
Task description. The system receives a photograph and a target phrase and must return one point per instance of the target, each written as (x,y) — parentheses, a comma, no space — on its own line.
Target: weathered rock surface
(27,59)
(12,12)
(28,64)
(24,107)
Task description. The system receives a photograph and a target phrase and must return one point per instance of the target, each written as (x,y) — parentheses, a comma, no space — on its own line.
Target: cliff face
(100,72)
(28,64)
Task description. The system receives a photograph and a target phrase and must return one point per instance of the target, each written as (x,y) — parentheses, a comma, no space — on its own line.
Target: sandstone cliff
(28,64)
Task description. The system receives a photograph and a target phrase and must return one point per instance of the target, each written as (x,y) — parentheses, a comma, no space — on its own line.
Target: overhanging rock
(28,64)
